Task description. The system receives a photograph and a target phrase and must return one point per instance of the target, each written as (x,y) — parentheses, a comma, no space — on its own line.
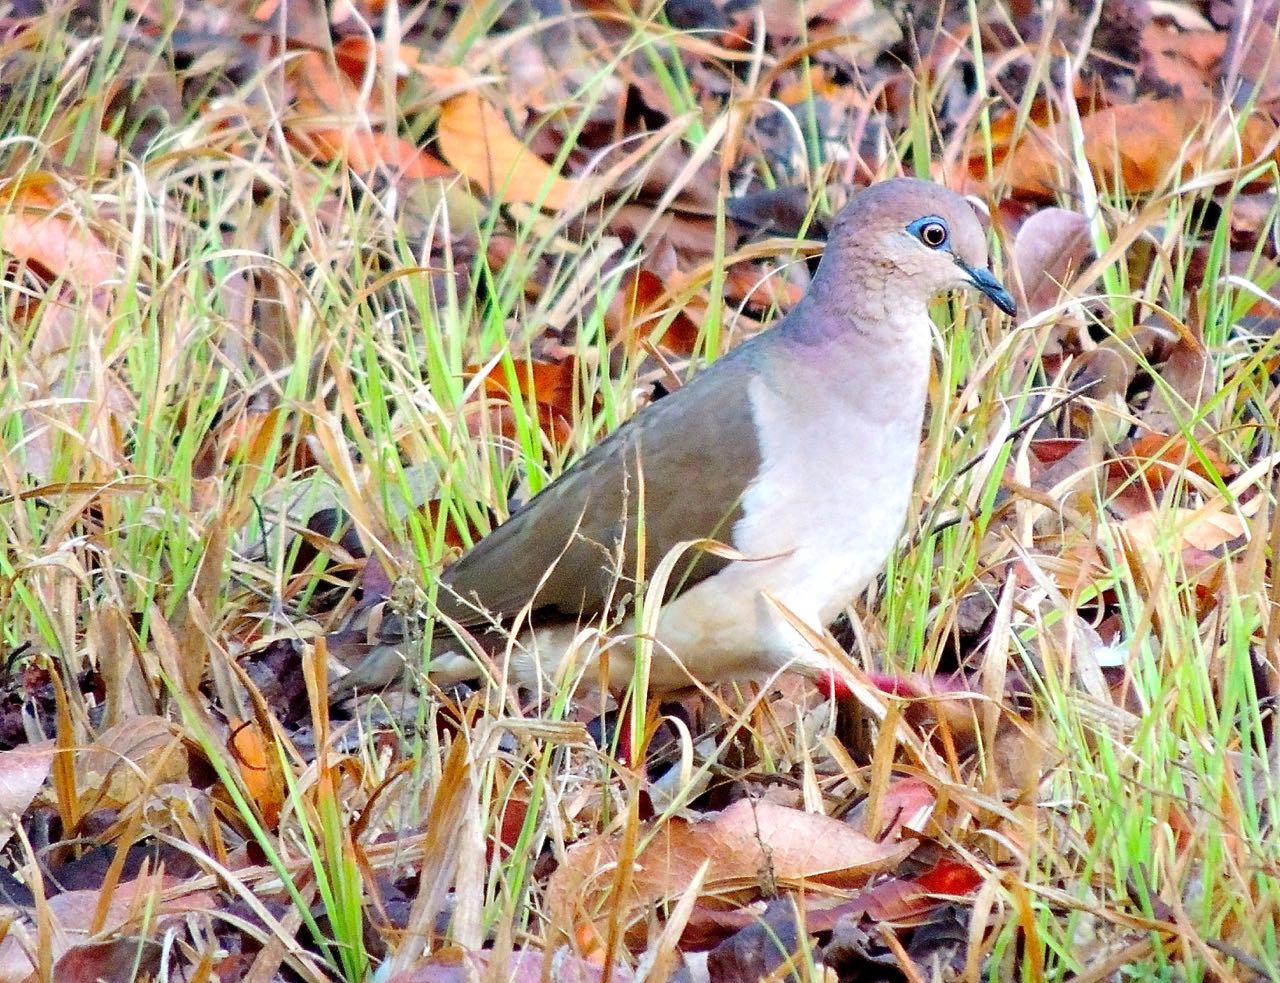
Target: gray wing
(688,459)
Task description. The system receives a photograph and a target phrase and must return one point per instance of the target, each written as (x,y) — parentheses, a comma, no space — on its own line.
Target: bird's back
(675,472)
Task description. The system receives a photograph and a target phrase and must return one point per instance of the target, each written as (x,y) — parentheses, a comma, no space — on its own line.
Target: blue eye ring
(930,230)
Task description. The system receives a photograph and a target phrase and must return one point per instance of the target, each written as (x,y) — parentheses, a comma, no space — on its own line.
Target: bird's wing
(685,461)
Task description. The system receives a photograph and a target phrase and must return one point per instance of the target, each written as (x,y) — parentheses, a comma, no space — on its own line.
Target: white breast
(831,517)
(837,470)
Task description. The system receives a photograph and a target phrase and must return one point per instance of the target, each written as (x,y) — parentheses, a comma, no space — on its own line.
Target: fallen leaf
(73,913)
(748,845)
(1253,60)
(1201,529)
(129,759)
(23,771)
(249,752)
(1187,61)
(1139,146)
(1050,246)
(39,227)
(907,900)
(521,966)
(367,151)
(637,309)
(756,951)
(1159,459)
(475,139)
(1187,378)
(550,386)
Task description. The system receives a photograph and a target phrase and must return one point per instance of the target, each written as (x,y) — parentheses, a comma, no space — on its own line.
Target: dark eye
(930,230)
(933,234)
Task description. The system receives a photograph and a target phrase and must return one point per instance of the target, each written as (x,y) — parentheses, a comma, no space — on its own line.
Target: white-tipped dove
(797,449)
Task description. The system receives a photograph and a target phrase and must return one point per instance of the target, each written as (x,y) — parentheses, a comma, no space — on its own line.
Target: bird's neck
(861,322)
(871,356)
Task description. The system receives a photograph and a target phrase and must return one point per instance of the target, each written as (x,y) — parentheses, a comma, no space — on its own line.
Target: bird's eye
(931,230)
(932,233)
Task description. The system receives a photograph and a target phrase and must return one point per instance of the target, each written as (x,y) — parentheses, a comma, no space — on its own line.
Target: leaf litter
(539,219)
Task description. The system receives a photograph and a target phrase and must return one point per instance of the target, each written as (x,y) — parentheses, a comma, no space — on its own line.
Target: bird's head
(917,240)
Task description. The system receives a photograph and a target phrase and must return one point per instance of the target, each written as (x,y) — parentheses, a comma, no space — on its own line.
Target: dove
(797,450)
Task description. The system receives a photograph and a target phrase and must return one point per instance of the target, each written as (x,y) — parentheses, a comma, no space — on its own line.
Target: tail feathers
(380,659)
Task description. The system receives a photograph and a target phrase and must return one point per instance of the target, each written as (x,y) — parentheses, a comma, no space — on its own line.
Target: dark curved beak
(989,285)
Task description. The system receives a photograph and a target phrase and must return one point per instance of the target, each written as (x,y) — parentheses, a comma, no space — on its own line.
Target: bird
(796,450)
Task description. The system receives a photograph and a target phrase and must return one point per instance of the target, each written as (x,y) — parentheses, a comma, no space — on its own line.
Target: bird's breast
(832,493)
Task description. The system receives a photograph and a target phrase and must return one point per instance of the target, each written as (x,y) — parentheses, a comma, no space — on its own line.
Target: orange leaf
(452,533)
(354,53)
(1188,61)
(638,307)
(549,385)
(476,140)
(318,90)
(366,152)
(1160,458)
(37,229)
(250,755)
(1137,145)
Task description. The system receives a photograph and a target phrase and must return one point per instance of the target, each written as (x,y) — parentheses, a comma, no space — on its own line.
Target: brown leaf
(1138,146)
(318,90)
(970,172)
(23,771)
(124,673)
(128,759)
(748,844)
(521,966)
(39,228)
(934,702)
(74,401)
(748,284)
(1051,245)
(475,139)
(905,807)
(1187,61)
(114,960)
(637,310)
(1160,458)
(907,901)
(1187,379)
(550,386)
(74,914)
(1253,58)
(369,151)
(1191,542)
(756,951)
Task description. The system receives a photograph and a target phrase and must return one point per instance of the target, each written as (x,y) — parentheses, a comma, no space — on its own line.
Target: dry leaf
(1188,61)
(74,912)
(475,139)
(1139,146)
(23,772)
(249,752)
(637,309)
(1160,458)
(37,226)
(366,151)
(1051,245)
(129,759)
(748,845)
(521,966)
(549,386)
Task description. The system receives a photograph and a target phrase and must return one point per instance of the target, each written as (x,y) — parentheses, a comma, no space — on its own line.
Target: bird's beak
(989,285)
